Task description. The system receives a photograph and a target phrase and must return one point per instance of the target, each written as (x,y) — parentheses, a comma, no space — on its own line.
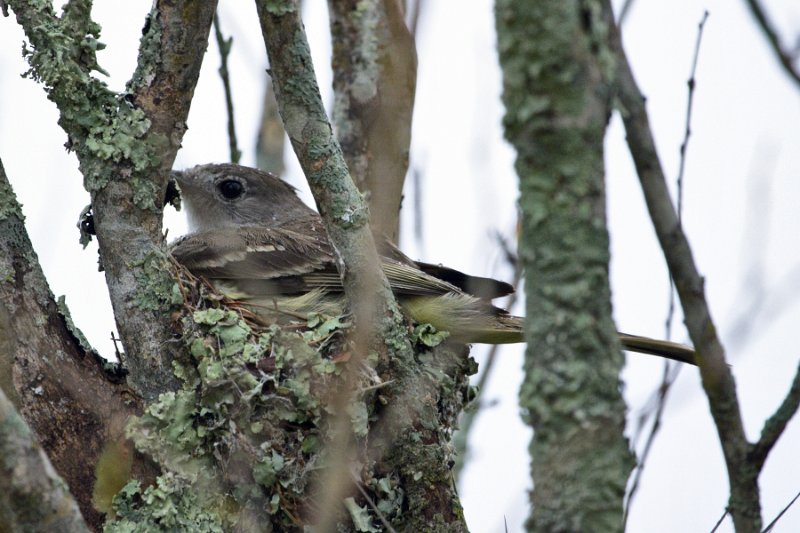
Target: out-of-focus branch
(408,438)
(774,426)
(785,58)
(461,438)
(76,402)
(224,46)
(32,496)
(413,11)
(270,143)
(716,376)
(126,144)
(375,68)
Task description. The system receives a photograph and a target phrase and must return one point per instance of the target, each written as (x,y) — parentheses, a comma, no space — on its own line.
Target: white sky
(741,209)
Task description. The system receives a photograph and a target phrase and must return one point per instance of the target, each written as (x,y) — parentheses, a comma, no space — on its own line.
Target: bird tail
(471,320)
(508,329)
(667,349)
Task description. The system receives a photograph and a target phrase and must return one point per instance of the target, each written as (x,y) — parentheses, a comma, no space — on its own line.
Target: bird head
(226,195)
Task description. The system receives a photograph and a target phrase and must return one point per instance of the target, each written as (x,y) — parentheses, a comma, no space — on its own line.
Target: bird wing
(296,258)
(483,288)
(254,252)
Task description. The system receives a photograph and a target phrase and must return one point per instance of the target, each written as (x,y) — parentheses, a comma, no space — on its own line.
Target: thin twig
(775,520)
(689,105)
(623,12)
(719,522)
(784,57)
(224,46)
(670,373)
(717,379)
(668,379)
(682,164)
(374,507)
(414,8)
(468,418)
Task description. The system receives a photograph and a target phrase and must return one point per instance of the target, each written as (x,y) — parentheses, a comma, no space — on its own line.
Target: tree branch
(375,68)
(76,402)
(785,59)
(126,145)
(774,426)
(716,376)
(224,46)
(32,496)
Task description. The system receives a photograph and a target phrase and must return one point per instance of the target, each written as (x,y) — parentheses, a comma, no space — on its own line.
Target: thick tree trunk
(557,97)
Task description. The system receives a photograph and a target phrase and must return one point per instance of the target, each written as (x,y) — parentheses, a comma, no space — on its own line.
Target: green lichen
(280,7)
(9,206)
(252,418)
(428,335)
(169,505)
(149,52)
(103,127)
(156,289)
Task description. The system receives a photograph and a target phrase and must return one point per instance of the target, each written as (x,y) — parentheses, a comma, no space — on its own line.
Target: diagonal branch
(785,59)
(774,426)
(343,209)
(32,496)
(407,441)
(717,378)
(76,402)
(126,144)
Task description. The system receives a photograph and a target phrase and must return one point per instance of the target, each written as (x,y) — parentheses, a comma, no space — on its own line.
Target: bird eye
(230,189)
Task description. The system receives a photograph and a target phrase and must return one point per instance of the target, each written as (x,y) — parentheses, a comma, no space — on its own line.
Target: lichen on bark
(557,79)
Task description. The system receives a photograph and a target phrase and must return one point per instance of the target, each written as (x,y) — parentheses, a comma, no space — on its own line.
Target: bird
(256,242)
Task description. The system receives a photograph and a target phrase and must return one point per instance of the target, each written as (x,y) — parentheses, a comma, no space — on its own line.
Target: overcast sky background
(742,216)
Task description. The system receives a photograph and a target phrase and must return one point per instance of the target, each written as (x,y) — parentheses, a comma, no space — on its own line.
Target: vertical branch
(716,376)
(224,46)
(270,144)
(556,91)
(375,67)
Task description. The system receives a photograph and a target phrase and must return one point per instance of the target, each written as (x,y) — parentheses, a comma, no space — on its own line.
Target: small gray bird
(258,243)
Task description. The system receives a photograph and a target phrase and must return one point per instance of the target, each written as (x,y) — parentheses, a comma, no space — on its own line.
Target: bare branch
(785,58)
(774,426)
(716,376)
(270,142)
(224,46)
(774,522)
